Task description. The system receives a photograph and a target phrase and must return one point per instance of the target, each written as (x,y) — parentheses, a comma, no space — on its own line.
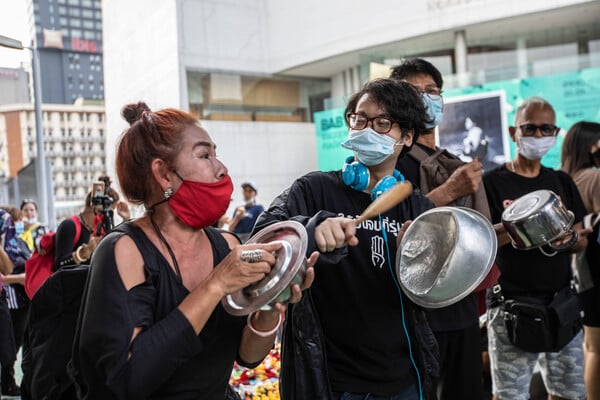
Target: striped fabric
(11,297)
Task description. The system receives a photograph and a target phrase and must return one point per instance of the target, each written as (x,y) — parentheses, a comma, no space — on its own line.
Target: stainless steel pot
(537,219)
(289,268)
(444,255)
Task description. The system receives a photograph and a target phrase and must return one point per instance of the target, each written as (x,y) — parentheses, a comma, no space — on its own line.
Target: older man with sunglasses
(528,275)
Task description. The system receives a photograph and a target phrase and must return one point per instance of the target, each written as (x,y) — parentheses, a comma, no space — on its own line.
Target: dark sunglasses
(545,129)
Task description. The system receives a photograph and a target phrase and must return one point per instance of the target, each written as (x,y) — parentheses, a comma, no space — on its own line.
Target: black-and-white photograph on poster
(475,126)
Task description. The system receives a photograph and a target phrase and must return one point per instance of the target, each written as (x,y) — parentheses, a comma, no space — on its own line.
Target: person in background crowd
(104,207)
(67,251)
(32,229)
(456,327)
(29,232)
(580,159)
(152,324)
(6,265)
(246,215)
(18,303)
(7,341)
(48,336)
(355,335)
(530,275)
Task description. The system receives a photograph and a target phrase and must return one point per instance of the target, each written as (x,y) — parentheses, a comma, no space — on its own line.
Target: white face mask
(533,148)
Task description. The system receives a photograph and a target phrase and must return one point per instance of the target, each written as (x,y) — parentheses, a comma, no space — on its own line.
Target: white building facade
(254,71)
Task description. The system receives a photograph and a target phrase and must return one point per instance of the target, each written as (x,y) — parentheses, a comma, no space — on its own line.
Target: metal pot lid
(290,262)
(444,255)
(527,205)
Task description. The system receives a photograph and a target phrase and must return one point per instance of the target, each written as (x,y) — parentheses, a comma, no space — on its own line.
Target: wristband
(68,261)
(263,333)
(81,259)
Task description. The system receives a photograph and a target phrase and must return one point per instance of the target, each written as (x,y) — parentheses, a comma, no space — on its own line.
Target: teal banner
(575,97)
(331,132)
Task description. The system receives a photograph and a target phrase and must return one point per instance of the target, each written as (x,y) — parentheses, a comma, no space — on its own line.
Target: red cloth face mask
(199,204)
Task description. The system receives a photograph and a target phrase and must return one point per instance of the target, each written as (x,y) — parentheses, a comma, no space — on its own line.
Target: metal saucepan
(537,219)
(289,269)
(444,255)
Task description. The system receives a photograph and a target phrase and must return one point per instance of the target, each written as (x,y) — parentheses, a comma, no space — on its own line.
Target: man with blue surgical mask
(355,335)
(446,180)
(465,180)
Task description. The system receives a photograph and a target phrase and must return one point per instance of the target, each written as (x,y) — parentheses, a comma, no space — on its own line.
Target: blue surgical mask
(534,148)
(32,221)
(19,227)
(434,105)
(370,147)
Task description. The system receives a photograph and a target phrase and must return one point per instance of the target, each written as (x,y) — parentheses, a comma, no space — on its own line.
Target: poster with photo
(475,126)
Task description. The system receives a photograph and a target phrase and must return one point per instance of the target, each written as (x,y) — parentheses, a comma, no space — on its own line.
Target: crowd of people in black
(145,320)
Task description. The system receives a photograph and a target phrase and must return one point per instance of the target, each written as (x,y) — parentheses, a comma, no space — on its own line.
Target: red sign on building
(88,46)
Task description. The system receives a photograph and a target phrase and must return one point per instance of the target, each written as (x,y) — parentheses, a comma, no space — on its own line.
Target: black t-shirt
(530,270)
(461,314)
(356,297)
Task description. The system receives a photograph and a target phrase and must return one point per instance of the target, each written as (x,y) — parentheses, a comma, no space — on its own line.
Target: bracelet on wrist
(263,333)
(79,256)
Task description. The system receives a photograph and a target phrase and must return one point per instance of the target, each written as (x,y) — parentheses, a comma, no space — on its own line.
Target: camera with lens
(102,200)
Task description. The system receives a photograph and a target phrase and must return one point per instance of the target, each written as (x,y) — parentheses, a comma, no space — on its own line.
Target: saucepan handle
(565,246)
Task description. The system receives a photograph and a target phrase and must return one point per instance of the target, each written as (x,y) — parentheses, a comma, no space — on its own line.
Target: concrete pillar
(583,46)
(521,58)
(348,81)
(460,58)
(356,76)
(583,50)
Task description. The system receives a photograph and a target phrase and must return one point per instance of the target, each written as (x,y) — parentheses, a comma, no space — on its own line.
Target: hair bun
(133,112)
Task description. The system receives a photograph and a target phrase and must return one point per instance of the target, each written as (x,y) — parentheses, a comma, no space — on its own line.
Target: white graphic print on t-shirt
(377,251)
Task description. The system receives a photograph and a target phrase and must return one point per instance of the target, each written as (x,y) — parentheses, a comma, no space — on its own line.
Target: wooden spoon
(387,200)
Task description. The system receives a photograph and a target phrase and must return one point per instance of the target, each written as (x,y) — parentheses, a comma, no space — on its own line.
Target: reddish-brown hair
(150,135)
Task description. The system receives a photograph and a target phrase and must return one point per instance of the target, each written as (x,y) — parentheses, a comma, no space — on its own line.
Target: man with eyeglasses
(355,335)
(456,327)
(529,275)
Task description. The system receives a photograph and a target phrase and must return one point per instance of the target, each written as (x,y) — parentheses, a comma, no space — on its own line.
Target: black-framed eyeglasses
(380,124)
(545,129)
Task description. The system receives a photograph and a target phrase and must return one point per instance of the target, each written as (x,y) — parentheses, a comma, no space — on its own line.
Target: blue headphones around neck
(356,175)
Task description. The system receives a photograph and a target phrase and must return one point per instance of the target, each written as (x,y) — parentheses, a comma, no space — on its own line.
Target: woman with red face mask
(152,324)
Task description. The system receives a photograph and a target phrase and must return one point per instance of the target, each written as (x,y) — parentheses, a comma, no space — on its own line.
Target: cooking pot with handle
(537,219)
(444,255)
